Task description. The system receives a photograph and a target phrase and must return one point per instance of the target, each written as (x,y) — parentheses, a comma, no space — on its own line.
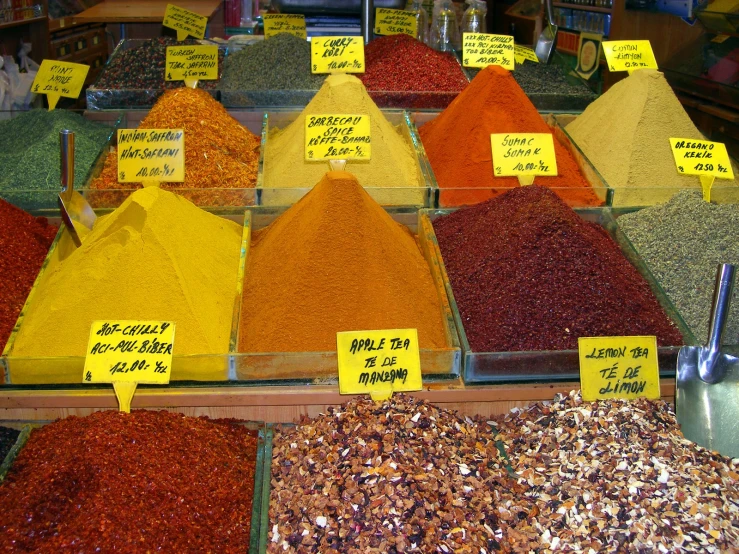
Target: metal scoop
(547,41)
(73,207)
(708,380)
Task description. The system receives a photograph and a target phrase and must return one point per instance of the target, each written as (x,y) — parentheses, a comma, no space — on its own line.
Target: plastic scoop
(74,208)
(708,380)
(547,41)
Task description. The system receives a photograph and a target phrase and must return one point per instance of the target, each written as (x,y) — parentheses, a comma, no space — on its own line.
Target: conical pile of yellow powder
(625,133)
(156,257)
(335,261)
(392,165)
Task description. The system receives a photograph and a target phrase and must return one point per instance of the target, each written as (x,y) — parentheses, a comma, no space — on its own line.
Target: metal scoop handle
(722,294)
(66,155)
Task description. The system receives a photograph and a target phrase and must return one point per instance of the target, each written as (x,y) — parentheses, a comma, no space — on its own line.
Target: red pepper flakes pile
(24,242)
(528,273)
(419,76)
(221,155)
(140,482)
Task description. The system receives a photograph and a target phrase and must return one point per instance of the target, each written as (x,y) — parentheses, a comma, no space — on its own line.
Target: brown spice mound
(401,476)
(618,476)
(140,482)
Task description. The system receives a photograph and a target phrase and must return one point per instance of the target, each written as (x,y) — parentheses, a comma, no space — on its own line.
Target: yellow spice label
(395,22)
(337,55)
(129,351)
(185,22)
(151,155)
(618,367)
(528,154)
(701,157)
(379,362)
(522,54)
(337,137)
(292,24)
(628,55)
(482,49)
(193,63)
(56,79)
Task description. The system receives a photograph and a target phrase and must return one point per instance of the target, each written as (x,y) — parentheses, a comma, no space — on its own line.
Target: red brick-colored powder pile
(457,143)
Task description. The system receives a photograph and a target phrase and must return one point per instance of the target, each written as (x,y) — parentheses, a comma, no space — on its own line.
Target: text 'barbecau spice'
(528,273)
(142,482)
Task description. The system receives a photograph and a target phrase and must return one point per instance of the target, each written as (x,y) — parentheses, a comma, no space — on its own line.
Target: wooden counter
(141,11)
(271,404)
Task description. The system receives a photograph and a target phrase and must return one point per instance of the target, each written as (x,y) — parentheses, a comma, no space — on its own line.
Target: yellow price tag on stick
(337,137)
(709,160)
(482,50)
(379,362)
(191,64)
(337,55)
(523,53)
(126,353)
(185,22)
(618,367)
(629,55)
(292,24)
(395,22)
(56,79)
(524,155)
(151,155)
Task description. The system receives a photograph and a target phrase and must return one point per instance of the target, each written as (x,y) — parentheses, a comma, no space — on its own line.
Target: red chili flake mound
(140,482)
(24,242)
(528,273)
(400,63)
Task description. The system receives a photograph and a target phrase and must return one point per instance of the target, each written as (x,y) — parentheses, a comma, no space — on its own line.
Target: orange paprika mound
(457,143)
(335,261)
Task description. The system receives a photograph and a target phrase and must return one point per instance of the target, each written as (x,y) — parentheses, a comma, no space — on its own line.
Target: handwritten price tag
(276,23)
(337,137)
(628,55)
(56,79)
(618,367)
(379,362)
(151,155)
(191,64)
(395,22)
(184,22)
(524,155)
(126,353)
(522,54)
(709,160)
(337,55)
(482,50)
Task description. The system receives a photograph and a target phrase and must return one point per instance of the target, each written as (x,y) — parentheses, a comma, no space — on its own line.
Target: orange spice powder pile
(219,152)
(335,261)
(457,143)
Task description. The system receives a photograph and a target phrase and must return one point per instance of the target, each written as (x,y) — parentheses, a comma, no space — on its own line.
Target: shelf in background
(582,7)
(18,22)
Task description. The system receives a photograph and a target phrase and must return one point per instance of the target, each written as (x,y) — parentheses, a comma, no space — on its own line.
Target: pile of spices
(275,68)
(156,257)
(378,278)
(401,476)
(138,68)
(625,135)
(457,143)
(618,476)
(29,153)
(140,482)
(220,153)
(393,163)
(528,273)
(401,71)
(550,88)
(8,437)
(24,242)
(682,242)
